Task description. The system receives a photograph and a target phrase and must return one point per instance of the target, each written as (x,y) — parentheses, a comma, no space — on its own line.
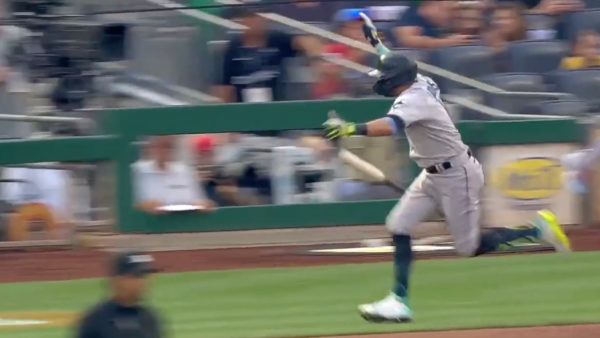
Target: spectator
(348,23)
(160,181)
(550,7)
(212,153)
(252,68)
(335,81)
(330,80)
(49,187)
(586,51)
(468,18)
(425,25)
(123,314)
(507,25)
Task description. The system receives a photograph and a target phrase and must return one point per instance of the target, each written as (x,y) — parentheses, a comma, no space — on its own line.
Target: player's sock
(492,238)
(402,260)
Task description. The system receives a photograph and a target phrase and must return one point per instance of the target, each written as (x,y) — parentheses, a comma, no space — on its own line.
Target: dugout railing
(124,127)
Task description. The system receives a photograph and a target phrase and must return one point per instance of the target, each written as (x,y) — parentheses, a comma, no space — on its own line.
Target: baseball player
(451,179)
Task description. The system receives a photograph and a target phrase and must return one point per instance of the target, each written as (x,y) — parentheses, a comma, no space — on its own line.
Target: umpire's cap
(393,70)
(132,263)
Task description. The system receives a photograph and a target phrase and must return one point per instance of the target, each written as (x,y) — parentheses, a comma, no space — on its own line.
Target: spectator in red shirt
(330,80)
(348,24)
(335,80)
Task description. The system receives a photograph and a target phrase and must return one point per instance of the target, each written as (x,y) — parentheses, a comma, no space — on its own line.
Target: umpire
(123,315)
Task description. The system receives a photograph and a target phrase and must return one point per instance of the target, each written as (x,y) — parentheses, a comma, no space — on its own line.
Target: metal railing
(33,119)
(455,99)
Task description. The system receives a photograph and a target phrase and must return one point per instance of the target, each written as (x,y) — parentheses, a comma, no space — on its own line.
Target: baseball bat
(363,166)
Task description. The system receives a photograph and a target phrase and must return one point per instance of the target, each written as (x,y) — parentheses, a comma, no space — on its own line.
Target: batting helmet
(393,70)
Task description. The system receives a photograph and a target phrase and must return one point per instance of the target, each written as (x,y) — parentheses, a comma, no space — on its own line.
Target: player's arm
(381,127)
(336,127)
(372,35)
(400,116)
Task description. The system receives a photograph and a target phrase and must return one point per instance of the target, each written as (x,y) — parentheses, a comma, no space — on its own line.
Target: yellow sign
(529,178)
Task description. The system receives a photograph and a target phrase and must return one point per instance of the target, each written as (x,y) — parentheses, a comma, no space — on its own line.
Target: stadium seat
(517,82)
(298,80)
(588,19)
(513,82)
(592,4)
(539,21)
(583,83)
(178,43)
(571,107)
(536,56)
(469,60)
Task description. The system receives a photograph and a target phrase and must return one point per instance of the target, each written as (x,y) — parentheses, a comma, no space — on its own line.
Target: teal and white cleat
(389,309)
(550,231)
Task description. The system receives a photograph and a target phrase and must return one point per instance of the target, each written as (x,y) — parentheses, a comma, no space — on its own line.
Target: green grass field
(459,293)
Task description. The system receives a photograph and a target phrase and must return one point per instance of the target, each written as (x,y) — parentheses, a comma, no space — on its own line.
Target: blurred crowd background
(74,58)
(71,55)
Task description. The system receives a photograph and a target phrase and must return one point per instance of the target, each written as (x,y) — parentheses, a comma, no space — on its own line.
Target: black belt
(438,168)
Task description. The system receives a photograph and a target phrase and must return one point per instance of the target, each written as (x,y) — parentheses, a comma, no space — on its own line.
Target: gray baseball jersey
(433,140)
(431,134)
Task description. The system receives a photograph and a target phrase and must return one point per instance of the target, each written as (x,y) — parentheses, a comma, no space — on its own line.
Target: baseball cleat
(389,309)
(551,232)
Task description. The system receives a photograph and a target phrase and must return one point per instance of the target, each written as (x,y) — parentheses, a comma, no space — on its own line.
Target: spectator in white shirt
(161,181)
(47,186)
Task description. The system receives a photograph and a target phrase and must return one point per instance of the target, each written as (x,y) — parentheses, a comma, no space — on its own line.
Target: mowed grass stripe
(456,293)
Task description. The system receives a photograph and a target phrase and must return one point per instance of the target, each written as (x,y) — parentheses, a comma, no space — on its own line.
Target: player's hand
(369,30)
(336,128)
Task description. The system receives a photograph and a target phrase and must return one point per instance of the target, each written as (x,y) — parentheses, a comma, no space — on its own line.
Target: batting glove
(369,30)
(336,128)
(371,34)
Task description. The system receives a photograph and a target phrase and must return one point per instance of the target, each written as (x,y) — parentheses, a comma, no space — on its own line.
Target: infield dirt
(41,265)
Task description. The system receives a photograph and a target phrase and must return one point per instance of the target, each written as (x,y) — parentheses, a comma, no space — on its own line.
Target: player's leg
(461,207)
(458,195)
(544,228)
(414,206)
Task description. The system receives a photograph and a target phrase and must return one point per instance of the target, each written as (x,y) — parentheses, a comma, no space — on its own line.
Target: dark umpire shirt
(256,70)
(111,320)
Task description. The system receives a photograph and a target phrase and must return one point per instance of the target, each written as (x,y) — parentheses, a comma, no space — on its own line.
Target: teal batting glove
(371,34)
(336,128)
